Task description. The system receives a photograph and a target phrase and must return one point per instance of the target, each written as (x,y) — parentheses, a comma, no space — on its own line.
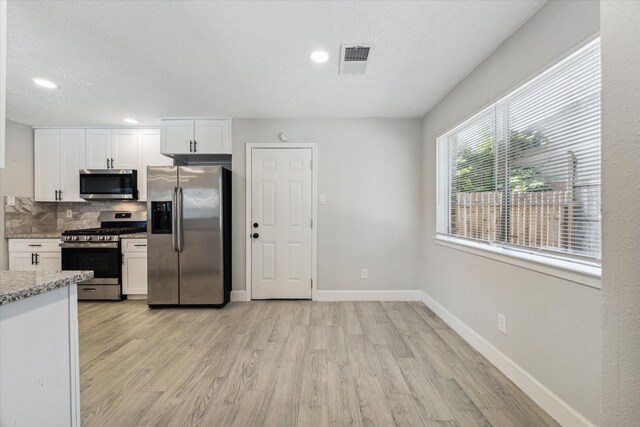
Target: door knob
(255,235)
(255,225)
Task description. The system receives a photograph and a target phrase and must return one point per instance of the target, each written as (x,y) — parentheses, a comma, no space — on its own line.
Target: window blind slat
(525,172)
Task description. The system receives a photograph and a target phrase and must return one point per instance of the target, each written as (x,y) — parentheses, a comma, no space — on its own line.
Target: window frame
(575,268)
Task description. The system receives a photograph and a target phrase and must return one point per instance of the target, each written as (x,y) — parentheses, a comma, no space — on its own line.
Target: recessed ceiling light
(320,56)
(45,83)
(131,121)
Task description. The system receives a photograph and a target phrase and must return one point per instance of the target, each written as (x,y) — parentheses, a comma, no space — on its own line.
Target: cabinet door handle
(195,146)
(140,245)
(112,163)
(191,146)
(56,195)
(37,262)
(59,194)
(33,259)
(34,245)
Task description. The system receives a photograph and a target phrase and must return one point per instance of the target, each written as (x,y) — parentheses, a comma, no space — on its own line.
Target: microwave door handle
(174,219)
(179,219)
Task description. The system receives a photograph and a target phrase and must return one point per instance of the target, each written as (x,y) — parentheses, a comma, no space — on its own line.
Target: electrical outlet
(11,200)
(322,199)
(502,323)
(69,213)
(364,273)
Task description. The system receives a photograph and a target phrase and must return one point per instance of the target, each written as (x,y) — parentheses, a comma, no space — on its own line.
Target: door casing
(250,146)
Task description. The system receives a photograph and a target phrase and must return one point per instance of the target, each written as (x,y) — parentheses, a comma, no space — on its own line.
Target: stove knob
(87,238)
(101,238)
(108,238)
(74,238)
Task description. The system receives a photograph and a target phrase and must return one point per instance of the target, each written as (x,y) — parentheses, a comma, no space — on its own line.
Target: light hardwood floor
(288,363)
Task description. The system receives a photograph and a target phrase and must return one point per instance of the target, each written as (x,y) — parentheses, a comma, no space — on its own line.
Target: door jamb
(250,146)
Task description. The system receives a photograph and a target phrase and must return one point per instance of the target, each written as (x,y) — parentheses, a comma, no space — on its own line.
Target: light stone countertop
(142,235)
(35,235)
(17,285)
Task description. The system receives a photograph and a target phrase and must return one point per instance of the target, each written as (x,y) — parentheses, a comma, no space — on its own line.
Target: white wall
(553,324)
(370,171)
(621,212)
(16,179)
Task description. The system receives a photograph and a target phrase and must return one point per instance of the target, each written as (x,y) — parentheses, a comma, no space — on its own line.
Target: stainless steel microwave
(109,184)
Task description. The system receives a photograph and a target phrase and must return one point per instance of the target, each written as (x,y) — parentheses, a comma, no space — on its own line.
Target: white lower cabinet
(34,255)
(134,268)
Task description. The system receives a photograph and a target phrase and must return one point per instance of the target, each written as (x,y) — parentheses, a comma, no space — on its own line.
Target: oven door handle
(89,245)
(174,218)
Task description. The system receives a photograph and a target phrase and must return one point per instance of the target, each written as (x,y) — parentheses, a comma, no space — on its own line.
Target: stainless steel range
(98,249)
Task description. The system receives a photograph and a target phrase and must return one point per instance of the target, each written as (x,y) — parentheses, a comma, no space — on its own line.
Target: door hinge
(311,283)
(311,223)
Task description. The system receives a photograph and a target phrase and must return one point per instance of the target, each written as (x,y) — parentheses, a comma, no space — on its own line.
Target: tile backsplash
(29,216)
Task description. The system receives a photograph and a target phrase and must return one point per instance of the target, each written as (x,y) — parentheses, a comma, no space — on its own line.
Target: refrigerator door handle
(174,219)
(179,225)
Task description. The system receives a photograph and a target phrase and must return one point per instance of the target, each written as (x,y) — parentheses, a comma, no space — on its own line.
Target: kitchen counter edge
(18,285)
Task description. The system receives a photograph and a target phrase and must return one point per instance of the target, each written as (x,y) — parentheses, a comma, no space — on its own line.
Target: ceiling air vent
(353,58)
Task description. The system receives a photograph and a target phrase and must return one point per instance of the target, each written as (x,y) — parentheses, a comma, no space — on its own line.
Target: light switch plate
(364,273)
(11,200)
(69,213)
(502,323)
(322,199)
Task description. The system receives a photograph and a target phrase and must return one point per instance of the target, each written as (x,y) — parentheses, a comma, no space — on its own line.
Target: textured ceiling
(242,59)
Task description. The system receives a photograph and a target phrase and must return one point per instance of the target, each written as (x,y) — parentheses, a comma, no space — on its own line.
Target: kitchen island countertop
(17,285)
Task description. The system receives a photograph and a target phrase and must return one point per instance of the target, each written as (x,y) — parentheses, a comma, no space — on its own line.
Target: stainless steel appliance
(98,249)
(109,184)
(189,236)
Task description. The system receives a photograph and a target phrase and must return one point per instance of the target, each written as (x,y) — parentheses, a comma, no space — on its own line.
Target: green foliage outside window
(476,166)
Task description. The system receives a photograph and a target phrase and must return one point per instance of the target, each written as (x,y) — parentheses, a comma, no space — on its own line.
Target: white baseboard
(549,401)
(137,296)
(407,295)
(239,296)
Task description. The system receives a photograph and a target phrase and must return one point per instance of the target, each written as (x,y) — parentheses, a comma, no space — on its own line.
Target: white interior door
(281,228)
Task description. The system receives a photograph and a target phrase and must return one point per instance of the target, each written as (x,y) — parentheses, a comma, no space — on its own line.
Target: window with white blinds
(525,172)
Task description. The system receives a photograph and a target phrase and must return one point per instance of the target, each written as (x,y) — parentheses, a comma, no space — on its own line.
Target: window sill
(565,269)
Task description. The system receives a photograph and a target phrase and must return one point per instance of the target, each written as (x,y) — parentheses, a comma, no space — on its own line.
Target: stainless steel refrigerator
(189,235)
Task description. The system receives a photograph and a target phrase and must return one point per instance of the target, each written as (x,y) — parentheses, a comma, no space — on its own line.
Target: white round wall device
(284,137)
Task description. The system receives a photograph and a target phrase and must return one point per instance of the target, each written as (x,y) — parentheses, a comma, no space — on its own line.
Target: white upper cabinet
(124,149)
(149,149)
(47,165)
(212,137)
(177,136)
(98,149)
(112,149)
(198,136)
(72,159)
(59,156)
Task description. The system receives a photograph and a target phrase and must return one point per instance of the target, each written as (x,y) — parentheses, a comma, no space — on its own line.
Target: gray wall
(553,324)
(621,212)
(370,171)
(16,179)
